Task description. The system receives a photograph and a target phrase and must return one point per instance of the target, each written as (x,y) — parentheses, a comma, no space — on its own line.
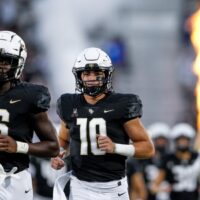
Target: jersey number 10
(91,126)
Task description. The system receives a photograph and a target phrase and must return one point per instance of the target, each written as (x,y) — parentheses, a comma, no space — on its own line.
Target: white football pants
(83,190)
(15,186)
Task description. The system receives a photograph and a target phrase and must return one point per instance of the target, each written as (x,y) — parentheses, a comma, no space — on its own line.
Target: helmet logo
(91,65)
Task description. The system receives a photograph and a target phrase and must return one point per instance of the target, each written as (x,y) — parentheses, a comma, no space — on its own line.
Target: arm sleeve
(64,108)
(133,108)
(59,108)
(41,99)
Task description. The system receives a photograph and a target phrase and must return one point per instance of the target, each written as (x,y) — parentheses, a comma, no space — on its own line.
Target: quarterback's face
(93,78)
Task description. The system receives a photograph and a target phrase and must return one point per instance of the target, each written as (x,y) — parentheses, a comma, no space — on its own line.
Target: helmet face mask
(8,66)
(183,144)
(95,86)
(97,61)
(183,135)
(12,53)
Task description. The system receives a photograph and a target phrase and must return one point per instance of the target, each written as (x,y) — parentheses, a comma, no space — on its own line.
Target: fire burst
(195,39)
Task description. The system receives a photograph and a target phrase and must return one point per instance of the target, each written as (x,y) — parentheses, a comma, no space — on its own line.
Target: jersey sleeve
(40,99)
(59,109)
(65,107)
(133,107)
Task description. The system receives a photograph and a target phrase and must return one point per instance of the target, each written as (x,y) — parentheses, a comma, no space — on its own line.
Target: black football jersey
(183,175)
(150,170)
(17,107)
(86,121)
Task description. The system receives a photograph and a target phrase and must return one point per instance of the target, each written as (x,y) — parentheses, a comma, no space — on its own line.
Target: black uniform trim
(41,99)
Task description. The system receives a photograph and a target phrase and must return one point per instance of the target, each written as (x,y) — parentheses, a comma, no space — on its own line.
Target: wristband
(22,147)
(124,149)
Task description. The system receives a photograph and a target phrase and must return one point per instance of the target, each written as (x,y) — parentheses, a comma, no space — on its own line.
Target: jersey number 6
(91,126)
(4,117)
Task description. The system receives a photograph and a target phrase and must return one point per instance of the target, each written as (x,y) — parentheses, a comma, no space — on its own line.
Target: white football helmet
(93,59)
(183,129)
(159,129)
(12,49)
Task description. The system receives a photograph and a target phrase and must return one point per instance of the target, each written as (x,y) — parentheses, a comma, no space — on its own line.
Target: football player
(23,109)
(97,124)
(159,132)
(182,167)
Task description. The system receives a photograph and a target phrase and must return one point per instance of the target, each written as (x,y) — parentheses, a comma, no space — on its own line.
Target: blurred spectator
(115,47)
(181,168)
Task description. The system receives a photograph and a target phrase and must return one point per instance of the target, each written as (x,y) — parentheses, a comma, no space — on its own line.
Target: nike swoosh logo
(14,101)
(120,194)
(26,191)
(106,111)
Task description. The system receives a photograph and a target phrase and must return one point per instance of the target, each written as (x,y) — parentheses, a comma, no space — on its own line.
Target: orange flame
(195,39)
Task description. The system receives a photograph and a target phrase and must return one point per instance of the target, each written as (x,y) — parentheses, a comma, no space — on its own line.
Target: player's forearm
(64,145)
(144,149)
(44,149)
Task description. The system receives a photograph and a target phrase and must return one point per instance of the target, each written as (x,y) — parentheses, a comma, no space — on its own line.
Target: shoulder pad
(134,107)
(39,96)
(131,106)
(65,105)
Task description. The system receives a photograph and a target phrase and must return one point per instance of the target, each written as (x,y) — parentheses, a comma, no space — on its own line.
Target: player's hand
(57,162)
(7,144)
(105,144)
(154,188)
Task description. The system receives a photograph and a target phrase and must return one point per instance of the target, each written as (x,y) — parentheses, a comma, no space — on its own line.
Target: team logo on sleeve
(74,112)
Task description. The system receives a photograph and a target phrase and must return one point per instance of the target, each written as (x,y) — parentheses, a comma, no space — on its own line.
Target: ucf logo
(91,111)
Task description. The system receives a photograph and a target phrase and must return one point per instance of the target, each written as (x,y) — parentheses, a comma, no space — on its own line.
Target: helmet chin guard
(93,59)
(95,90)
